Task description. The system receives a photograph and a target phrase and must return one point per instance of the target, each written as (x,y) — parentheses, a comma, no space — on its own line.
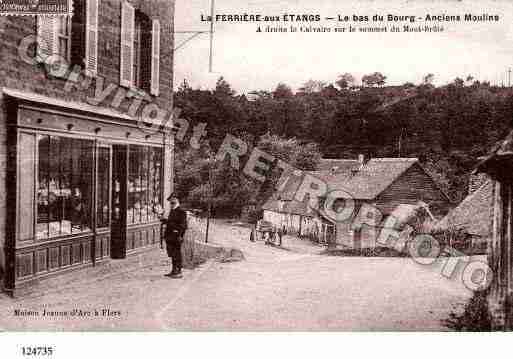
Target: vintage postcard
(288,165)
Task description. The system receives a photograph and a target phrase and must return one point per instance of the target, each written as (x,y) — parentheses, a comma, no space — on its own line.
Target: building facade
(85,162)
(499,167)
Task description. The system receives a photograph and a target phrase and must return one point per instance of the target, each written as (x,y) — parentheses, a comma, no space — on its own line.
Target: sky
(252,61)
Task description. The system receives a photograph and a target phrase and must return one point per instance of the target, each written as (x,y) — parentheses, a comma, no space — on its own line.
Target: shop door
(103,202)
(119,201)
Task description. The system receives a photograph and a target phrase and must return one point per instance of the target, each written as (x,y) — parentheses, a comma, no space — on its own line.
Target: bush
(457,238)
(475,318)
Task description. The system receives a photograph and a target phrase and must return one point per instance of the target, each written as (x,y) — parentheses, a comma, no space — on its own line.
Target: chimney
(361,161)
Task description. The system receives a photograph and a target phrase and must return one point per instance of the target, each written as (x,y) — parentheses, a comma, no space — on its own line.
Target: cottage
(81,180)
(292,216)
(473,215)
(385,183)
(499,166)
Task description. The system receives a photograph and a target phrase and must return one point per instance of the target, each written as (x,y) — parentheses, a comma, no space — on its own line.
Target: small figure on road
(176,225)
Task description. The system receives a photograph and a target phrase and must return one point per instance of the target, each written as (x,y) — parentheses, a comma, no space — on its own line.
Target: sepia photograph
(255,166)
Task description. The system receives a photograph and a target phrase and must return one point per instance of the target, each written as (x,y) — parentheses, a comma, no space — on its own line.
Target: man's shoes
(170,274)
(176,275)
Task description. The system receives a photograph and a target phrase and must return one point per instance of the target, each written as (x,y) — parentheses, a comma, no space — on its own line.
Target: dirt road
(272,289)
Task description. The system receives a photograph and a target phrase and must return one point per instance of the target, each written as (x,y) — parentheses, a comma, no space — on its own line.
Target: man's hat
(172,195)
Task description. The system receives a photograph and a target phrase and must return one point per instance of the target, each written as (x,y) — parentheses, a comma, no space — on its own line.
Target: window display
(144,184)
(64,186)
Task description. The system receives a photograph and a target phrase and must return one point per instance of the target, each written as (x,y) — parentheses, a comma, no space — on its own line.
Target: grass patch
(365,252)
(475,317)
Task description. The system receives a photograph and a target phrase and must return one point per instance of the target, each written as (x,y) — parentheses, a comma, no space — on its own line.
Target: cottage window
(65,174)
(144,184)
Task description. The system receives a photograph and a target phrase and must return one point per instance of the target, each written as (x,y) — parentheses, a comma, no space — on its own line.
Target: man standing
(176,225)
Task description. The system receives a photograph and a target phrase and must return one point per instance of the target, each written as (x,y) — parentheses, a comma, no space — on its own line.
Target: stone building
(85,153)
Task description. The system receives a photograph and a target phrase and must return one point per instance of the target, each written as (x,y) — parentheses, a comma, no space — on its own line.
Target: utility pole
(400,142)
(211,161)
(212,7)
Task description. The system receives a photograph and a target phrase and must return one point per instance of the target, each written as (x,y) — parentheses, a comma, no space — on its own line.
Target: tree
(374,79)
(458,82)
(223,88)
(282,92)
(300,155)
(312,86)
(428,79)
(345,81)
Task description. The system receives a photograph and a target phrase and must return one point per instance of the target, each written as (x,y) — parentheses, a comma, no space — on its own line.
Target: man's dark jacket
(176,225)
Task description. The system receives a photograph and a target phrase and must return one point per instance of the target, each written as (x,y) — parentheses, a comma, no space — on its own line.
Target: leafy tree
(223,88)
(428,79)
(374,79)
(345,81)
(312,86)
(282,92)
(446,127)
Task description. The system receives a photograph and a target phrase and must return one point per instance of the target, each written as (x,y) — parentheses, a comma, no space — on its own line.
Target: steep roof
(473,214)
(293,207)
(360,183)
(502,150)
(369,181)
(290,188)
(283,201)
(342,165)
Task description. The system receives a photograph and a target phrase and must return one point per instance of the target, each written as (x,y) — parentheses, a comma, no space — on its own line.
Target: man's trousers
(174,251)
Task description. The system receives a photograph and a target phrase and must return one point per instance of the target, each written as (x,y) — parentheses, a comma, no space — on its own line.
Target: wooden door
(119,201)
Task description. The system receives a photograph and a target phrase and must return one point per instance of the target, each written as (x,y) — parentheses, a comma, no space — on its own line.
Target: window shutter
(127,44)
(155,57)
(78,32)
(46,36)
(91,47)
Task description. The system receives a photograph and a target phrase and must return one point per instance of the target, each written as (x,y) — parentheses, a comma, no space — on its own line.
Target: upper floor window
(64,37)
(140,50)
(74,39)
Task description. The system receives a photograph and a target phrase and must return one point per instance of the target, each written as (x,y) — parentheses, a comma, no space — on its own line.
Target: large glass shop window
(144,184)
(65,168)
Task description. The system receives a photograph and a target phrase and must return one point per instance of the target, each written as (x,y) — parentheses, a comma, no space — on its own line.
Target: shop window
(144,184)
(64,186)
